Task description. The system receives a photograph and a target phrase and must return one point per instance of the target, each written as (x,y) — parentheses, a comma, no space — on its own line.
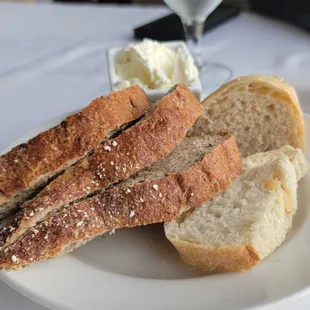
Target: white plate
(138,269)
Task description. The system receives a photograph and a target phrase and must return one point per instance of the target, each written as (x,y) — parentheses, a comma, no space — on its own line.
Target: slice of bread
(195,171)
(137,147)
(262,113)
(28,167)
(247,222)
(295,156)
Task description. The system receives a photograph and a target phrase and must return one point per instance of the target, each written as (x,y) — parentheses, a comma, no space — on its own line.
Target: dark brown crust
(148,202)
(136,148)
(216,259)
(53,150)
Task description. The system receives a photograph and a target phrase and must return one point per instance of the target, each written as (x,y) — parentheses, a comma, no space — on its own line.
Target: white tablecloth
(52,61)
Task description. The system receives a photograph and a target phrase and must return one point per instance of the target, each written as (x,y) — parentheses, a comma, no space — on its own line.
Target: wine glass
(193,14)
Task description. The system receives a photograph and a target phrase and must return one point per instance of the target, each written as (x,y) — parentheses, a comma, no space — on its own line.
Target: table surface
(53,61)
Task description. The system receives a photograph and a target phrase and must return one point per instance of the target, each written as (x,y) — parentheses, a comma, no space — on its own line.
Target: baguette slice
(247,222)
(262,112)
(296,156)
(29,166)
(135,148)
(195,171)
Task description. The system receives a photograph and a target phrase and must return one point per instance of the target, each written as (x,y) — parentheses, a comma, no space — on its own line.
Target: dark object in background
(292,11)
(96,1)
(170,27)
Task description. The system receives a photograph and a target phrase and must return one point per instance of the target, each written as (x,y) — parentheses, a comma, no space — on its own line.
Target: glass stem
(193,35)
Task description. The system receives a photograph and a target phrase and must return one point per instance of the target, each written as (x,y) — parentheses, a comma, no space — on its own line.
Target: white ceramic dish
(153,94)
(138,269)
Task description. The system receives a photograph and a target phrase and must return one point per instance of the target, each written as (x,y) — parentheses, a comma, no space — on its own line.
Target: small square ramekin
(153,94)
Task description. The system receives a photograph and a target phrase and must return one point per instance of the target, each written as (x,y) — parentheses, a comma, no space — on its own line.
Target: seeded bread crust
(137,147)
(29,166)
(147,202)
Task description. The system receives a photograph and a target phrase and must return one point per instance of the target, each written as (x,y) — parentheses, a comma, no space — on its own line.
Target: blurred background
(294,11)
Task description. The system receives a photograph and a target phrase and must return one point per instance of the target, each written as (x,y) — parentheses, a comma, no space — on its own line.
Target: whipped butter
(153,65)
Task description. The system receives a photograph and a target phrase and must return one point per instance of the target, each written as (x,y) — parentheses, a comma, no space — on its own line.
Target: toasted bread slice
(153,137)
(195,171)
(29,166)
